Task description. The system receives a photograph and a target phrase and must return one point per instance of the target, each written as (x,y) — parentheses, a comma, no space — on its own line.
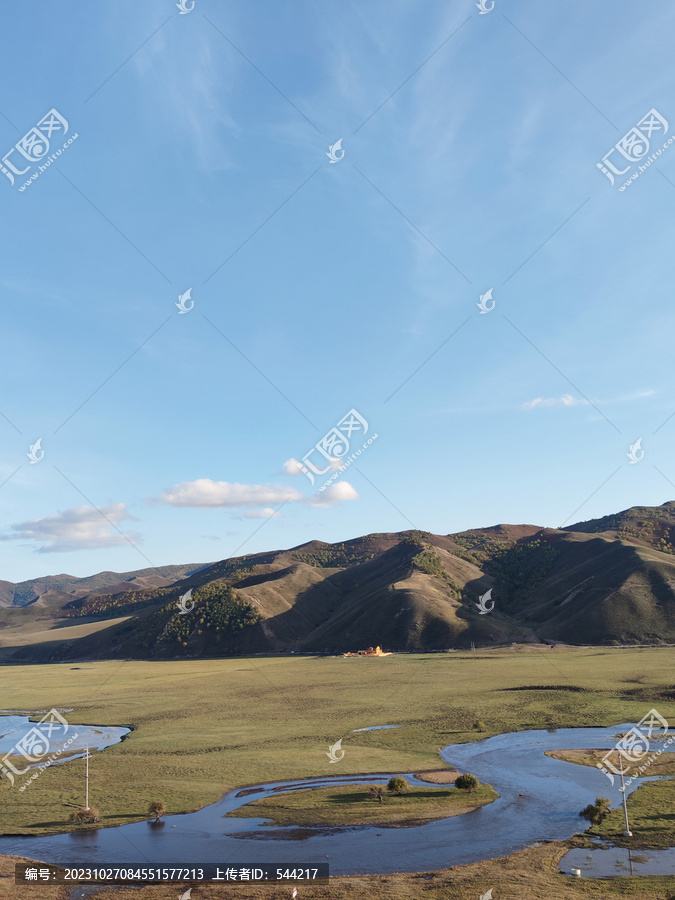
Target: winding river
(540,799)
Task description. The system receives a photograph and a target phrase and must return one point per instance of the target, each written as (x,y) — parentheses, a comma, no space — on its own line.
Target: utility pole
(86,780)
(627,832)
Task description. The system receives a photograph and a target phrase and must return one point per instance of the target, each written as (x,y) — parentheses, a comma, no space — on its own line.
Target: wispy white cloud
(569,400)
(78,528)
(634,395)
(189,85)
(565,400)
(206,493)
(260,500)
(266,513)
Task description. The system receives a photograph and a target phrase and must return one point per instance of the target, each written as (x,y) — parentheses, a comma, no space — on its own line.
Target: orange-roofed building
(371,651)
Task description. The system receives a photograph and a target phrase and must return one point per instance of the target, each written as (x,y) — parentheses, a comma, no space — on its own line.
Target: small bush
(428,562)
(377,792)
(479,726)
(85,816)
(467,782)
(595,813)
(156,810)
(397,785)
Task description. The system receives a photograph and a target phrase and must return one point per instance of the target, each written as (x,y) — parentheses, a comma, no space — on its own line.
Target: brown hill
(607,581)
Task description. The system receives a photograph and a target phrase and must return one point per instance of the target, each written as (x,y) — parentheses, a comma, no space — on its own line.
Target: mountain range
(603,581)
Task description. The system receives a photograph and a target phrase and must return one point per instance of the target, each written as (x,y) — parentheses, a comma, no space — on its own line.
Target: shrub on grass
(467,782)
(397,785)
(156,810)
(377,792)
(595,813)
(85,816)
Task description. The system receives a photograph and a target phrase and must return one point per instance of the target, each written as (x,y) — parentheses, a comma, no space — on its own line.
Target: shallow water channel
(602,862)
(540,799)
(32,741)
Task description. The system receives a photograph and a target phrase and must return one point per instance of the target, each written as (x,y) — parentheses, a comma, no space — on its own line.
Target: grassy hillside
(649,526)
(608,581)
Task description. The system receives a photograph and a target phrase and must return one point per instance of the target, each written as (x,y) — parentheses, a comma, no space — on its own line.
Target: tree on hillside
(218,611)
(156,810)
(397,785)
(467,782)
(429,562)
(377,792)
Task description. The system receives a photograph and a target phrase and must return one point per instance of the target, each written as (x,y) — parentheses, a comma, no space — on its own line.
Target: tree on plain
(397,785)
(377,792)
(595,813)
(467,782)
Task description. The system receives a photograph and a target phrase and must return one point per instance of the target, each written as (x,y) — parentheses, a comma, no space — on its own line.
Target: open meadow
(203,727)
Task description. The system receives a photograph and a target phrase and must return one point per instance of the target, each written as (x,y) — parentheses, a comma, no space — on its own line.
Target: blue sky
(471,144)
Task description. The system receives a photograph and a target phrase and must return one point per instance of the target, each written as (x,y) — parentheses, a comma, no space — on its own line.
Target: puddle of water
(376,728)
(53,739)
(615,861)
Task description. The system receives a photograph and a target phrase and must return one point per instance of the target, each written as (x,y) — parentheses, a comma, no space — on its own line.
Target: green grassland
(352,805)
(652,818)
(203,727)
(651,807)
